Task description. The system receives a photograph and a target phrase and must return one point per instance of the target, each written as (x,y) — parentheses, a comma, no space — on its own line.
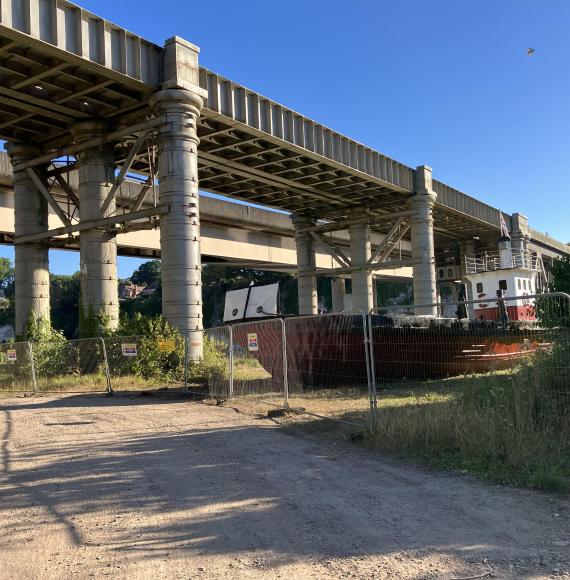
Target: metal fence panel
(138,363)
(218,355)
(258,362)
(498,336)
(493,390)
(327,366)
(70,365)
(16,367)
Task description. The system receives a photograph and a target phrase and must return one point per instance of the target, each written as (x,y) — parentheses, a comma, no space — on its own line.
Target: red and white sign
(252,343)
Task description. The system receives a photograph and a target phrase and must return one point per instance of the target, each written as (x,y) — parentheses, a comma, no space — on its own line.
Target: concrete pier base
(306,278)
(98,249)
(423,252)
(31,259)
(360,253)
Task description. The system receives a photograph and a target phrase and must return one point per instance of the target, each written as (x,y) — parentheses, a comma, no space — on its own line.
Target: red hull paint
(328,351)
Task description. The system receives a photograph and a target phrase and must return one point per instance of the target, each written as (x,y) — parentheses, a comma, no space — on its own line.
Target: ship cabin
(515,273)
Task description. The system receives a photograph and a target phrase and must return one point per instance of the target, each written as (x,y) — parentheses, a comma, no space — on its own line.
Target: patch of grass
(490,425)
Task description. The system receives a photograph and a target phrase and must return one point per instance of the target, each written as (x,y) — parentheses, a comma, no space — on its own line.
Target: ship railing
(490,261)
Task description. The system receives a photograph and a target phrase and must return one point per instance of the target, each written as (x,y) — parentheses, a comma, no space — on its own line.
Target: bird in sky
(530,51)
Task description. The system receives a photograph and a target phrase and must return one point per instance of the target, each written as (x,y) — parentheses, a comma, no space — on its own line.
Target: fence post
(370,373)
(231,363)
(33,367)
(285,371)
(107,371)
(374,401)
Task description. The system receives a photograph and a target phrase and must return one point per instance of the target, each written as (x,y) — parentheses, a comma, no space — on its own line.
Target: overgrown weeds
(506,427)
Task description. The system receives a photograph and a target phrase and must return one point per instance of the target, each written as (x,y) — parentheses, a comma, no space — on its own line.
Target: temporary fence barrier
(409,346)
(17,372)
(328,366)
(258,362)
(138,363)
(218,355)
(70,365)
(347,367)
(492,389)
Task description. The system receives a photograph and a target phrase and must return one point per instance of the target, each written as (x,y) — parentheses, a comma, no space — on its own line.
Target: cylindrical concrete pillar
(98,249)
(180,228)
(31,260)
(306,270)
(338,291)
(423,250)
(360,252)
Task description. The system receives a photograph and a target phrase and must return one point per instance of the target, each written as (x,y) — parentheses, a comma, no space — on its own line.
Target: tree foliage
(64,301)
(561,275)
(147,273)
(6,276)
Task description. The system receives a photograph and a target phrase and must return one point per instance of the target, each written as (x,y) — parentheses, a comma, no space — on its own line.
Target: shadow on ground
(158,476)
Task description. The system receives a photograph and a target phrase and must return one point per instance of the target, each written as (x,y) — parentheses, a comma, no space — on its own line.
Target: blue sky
(445,82)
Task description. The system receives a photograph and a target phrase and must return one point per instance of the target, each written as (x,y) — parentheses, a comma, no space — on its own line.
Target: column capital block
(180,63)
(423,180)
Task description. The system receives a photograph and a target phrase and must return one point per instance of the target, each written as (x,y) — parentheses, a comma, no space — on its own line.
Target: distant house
(130,291)
(150,289)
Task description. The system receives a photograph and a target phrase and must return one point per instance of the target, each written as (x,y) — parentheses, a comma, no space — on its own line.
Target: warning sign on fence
(11,355)
(166,346)
(129,349)
(252,343)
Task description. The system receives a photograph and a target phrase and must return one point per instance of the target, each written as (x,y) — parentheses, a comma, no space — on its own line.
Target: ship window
(479,287)
(519,283)
(502,284)
(524,285)
(449,273)
(441,273)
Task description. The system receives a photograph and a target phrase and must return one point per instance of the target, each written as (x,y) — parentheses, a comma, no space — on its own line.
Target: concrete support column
(31,260)
(306,270)
(181,265)
(360,253)
(98,249)
(338,291)
(423,252)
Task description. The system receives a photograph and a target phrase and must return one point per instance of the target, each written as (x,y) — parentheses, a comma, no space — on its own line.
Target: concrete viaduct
(78,93)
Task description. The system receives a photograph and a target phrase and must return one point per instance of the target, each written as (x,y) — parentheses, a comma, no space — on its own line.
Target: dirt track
(142,488)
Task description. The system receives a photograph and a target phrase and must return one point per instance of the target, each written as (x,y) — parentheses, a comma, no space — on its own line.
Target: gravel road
(133,487)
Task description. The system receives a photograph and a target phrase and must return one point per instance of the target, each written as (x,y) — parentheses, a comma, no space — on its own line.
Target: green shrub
(49,346)
(153,364)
